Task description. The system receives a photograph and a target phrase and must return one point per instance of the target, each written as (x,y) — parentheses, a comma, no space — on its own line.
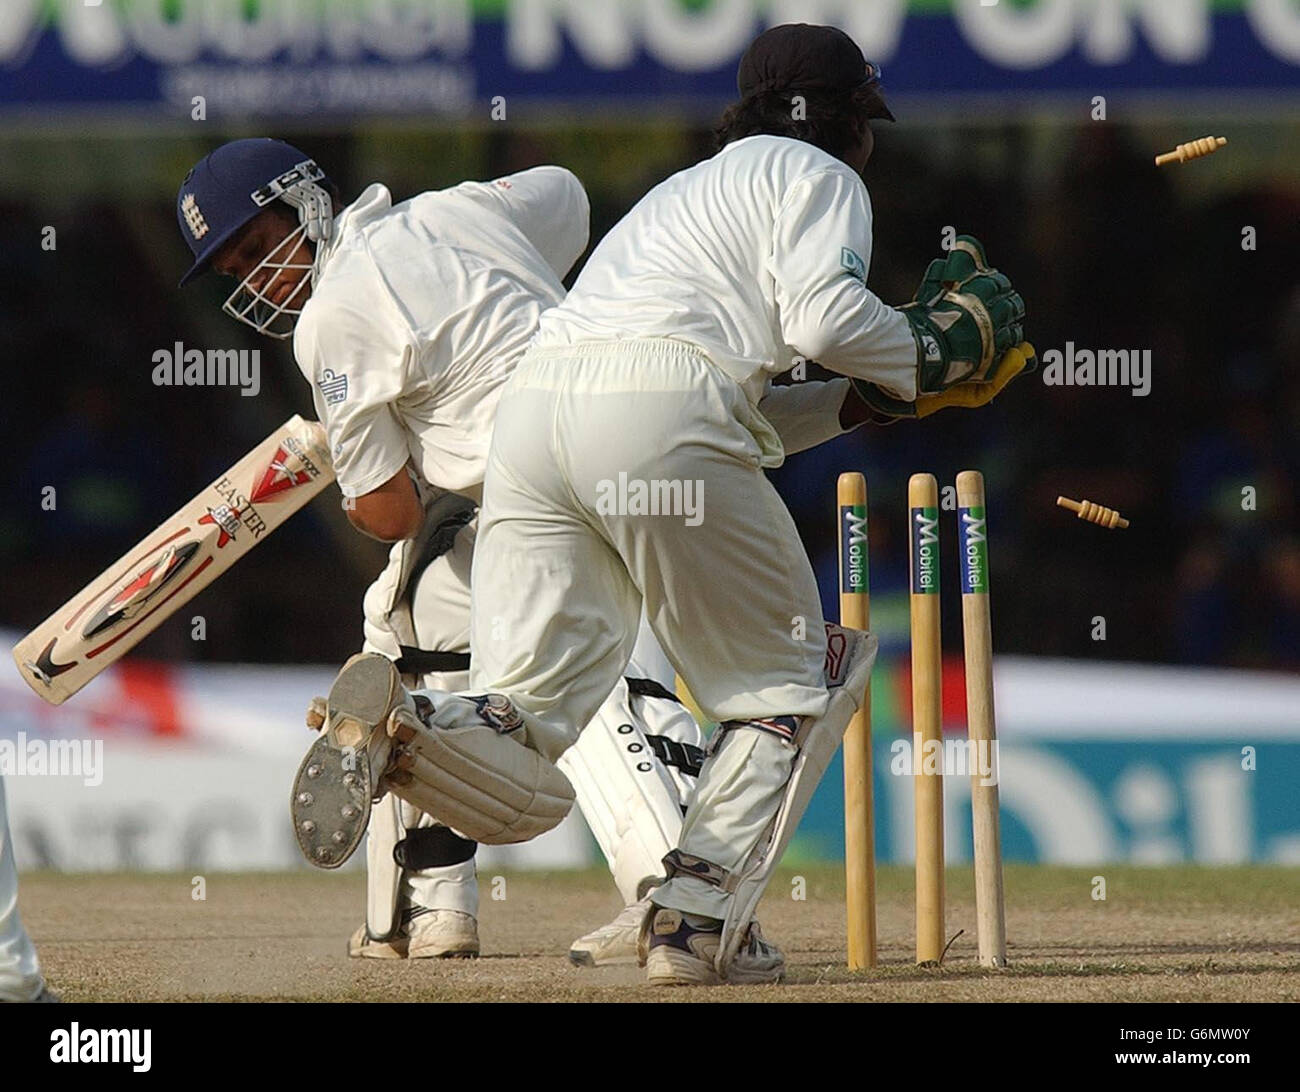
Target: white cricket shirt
(757,256)
(420,313)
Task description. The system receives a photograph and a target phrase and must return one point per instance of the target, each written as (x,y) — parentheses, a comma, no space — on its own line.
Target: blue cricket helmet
(230,186)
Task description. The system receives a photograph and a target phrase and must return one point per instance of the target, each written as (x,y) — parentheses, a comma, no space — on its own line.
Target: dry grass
(1176,934)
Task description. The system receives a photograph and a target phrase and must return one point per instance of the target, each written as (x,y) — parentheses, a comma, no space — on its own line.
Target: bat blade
(158,576)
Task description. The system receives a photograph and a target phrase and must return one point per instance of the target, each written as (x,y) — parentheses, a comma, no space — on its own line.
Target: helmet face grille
(252,303)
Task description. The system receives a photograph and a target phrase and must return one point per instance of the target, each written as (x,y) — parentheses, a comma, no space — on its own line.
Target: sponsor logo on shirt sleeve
(334,388)
(853,264)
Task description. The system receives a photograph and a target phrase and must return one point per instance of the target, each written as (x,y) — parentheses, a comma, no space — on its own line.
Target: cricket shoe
(361,945)
(442,934)
(46,997)
(338,779)
(684,952)
(424,934)
(612,944)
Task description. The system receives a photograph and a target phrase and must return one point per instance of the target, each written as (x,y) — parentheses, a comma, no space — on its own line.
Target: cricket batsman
(407,320)
(657,368)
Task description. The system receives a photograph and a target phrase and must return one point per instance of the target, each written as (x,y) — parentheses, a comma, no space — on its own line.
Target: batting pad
(633,801)
(850,654)
(471,777)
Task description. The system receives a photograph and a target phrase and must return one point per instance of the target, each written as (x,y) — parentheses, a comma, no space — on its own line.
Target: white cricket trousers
(20,973)
(559,578)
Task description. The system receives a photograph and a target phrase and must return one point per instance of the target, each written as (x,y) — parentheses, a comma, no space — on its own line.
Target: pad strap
(420,661)
(786,728)
(683,756)
(433,847)
(686,864)
(648,688)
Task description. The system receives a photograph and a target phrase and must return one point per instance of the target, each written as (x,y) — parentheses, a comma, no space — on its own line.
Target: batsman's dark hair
(833,121)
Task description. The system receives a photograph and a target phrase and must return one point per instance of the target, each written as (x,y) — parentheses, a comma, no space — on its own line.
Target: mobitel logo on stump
(853,548)
(925,551)
(974,551)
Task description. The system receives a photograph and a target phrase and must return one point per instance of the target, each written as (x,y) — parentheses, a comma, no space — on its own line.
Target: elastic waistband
(658,348)
(650,363)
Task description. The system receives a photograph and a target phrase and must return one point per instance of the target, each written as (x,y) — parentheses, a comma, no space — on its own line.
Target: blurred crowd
(1108,253)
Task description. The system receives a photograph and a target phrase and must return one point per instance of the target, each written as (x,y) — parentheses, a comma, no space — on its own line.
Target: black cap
(801,57)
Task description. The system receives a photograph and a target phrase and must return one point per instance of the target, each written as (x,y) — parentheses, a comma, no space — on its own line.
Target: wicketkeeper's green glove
(966,318)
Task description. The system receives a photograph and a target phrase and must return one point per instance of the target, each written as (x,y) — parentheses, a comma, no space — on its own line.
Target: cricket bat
(135,595)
